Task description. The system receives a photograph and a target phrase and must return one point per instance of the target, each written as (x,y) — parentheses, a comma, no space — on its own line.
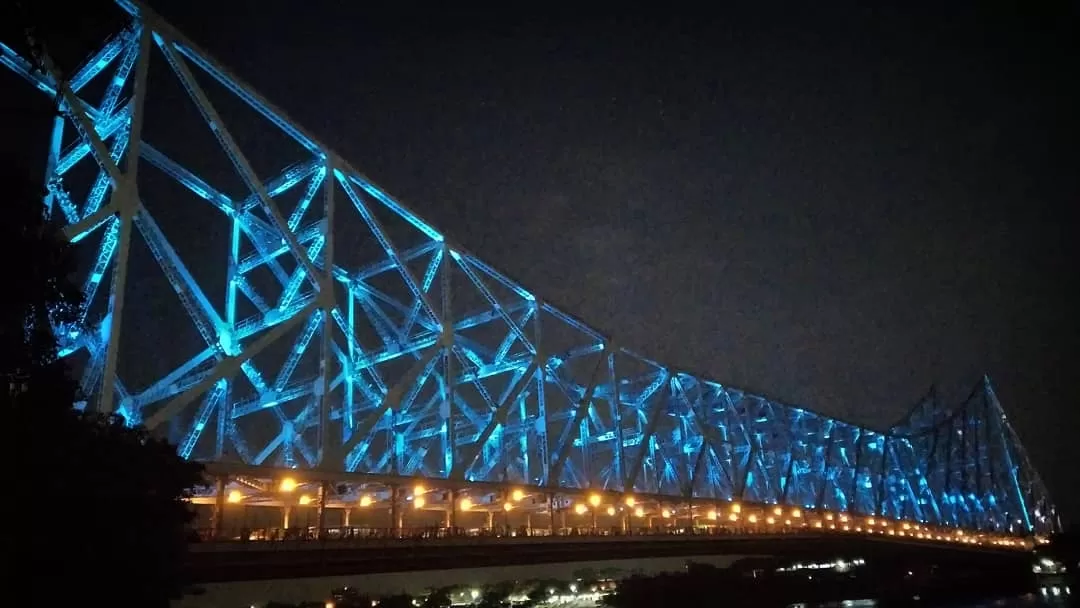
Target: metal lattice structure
(354,337)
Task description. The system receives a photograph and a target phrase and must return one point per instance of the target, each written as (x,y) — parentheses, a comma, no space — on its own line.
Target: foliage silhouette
(396,601)
(119,529)
(495,595)
(116,531)
(438,598)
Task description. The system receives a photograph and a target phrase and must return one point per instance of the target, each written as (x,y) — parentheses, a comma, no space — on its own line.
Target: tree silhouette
(400,600)
(43,294)
(438,598)
(106,511)
(103,512)
(495,595)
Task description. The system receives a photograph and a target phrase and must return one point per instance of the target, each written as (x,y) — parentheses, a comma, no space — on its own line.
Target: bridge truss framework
(416,358)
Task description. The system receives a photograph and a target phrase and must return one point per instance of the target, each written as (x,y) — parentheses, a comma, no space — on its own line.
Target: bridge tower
(258,300)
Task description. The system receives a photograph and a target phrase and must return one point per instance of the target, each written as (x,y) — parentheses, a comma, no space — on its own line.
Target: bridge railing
(261,538)
(257,539)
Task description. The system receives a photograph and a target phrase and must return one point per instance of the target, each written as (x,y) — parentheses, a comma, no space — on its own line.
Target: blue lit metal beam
(431,362)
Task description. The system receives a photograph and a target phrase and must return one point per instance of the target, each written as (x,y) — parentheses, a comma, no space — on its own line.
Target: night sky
(833,207)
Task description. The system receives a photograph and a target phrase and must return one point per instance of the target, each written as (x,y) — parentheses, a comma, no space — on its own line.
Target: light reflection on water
(1046,597)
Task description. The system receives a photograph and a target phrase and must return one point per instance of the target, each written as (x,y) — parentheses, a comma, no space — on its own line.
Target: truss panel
(283,310)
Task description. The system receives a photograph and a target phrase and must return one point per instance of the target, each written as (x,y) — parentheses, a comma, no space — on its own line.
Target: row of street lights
(769,516)
(594,501)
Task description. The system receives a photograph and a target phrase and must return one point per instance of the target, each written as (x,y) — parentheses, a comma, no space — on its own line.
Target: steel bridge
(330,336)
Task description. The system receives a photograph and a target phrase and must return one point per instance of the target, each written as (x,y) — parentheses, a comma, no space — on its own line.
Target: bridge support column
(504,499)
(395,511)
(551,514)
(451,512)
(346,516)
(320,514)
(217,516)
(286,516)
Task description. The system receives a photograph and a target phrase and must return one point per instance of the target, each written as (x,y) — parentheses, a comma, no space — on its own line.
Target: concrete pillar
(551,514)
(395,511)
(320,514)
(346,516)
(286,516)
(491,519)
(217,516)
(451,511)
(504,497)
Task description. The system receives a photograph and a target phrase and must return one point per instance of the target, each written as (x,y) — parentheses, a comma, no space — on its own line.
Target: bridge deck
(236,561)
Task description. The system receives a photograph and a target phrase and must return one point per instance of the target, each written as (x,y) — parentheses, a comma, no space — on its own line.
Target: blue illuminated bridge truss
(325,326)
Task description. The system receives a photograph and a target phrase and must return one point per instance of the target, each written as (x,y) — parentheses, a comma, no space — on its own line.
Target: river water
(1045,597)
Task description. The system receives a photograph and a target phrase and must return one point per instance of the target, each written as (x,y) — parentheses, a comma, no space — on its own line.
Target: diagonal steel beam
(562,450)
(228,367)
(392,399)
(498,418)
(228,144)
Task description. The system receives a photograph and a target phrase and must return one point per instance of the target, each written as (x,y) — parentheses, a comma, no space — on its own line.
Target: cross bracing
(321,324)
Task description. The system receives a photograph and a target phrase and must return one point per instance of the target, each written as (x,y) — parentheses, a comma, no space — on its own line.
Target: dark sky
(834,207)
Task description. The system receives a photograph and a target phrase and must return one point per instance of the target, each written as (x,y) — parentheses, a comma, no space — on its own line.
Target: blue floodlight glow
(408,382)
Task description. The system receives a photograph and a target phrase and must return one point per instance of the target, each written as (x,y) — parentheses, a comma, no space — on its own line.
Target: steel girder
(418,359)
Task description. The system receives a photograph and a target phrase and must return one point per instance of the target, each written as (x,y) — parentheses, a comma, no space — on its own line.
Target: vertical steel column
(853,506)
(395,511)
(320,515)
(826,469)
(451,512)
(328,450)
(217,517)
(126,197)
(789,473)
(749,465)
(988,416)
(446,409)
(615,401)
(551,513)
(879,509)
(504,500)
